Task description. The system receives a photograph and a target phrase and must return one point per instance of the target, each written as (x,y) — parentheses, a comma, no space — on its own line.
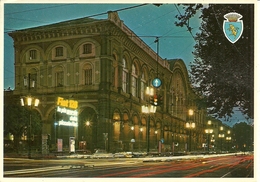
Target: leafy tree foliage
(17,119)
(243,136)
(222,72)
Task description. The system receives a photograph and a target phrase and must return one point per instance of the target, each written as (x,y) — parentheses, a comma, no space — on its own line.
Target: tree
(243,136)
(222,72)
(17,119)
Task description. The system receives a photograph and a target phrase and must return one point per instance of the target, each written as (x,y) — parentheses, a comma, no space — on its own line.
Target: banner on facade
(59,145)
(68,114)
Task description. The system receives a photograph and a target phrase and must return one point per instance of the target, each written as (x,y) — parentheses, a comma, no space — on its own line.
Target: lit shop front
(66,124)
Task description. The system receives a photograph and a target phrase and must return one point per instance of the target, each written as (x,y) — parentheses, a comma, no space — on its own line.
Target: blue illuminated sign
(157,82)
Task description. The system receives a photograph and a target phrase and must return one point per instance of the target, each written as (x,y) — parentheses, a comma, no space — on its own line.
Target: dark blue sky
(147,22)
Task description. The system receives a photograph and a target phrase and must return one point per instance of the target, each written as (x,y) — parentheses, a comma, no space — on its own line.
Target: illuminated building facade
(104,67)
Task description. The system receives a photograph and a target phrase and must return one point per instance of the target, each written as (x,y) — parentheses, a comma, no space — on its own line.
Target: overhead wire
(187,25)
(29,10)
(122,9)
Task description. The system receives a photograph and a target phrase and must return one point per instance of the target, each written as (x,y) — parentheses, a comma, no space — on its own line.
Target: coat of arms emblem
(233,26)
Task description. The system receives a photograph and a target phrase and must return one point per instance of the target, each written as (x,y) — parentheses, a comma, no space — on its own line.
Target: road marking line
(23,171)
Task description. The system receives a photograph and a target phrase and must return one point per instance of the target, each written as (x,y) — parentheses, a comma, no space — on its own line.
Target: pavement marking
(24,171)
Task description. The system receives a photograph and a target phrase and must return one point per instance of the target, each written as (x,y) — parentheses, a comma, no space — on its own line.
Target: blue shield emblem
(233,26)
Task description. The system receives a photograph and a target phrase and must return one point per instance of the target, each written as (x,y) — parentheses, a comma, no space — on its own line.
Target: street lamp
(221,136)
(208,132)
(140,133)
(148,109)
(29,101)
(155,138)
(190,125)
(228,140)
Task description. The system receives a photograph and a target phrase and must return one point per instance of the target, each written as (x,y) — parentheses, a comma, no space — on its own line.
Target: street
(228,166)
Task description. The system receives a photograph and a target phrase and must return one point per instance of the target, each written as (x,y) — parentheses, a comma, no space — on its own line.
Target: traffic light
(155,100)
(160,100)
(151,99)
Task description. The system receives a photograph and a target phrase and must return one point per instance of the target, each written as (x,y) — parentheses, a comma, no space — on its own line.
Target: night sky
(146,21)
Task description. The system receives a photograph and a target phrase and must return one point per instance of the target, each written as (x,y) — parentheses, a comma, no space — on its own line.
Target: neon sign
(72,104)
(66,123)
(69,114)
(67,111)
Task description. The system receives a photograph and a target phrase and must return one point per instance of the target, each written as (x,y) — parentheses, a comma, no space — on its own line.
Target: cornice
(41,34)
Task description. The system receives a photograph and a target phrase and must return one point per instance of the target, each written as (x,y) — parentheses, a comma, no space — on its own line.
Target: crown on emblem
(233,17)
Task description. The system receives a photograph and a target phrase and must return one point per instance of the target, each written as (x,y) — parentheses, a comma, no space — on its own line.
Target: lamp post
(148,109)
(221,136)
(140,133)
(155,134)
(190,125)
(29,101)
(228,140)
(208,132)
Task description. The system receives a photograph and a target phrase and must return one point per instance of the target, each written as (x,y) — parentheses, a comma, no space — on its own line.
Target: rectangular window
(88,77)
(87,48)
(59,79)
(33,54)
(59,51)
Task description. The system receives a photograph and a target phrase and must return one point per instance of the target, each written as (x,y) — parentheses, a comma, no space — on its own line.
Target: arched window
(124,76)
(143,86)
(134,84)
(59,77)
(87,73)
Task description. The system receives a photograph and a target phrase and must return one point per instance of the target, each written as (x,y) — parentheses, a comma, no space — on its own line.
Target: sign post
(59,145)
(72,144)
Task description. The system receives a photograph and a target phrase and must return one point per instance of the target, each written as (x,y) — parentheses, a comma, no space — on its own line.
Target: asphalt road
(203,167)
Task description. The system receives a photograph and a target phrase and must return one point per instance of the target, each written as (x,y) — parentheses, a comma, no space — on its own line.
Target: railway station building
(91,77)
